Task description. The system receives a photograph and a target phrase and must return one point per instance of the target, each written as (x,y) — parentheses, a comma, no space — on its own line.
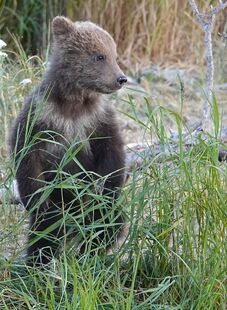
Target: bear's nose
(122,79)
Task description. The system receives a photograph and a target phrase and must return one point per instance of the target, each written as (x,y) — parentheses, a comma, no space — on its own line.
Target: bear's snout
(121,80)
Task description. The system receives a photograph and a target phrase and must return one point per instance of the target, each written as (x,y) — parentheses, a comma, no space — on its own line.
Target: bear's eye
(100,57)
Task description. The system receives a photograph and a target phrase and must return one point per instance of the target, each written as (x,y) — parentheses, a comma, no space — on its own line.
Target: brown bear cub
(65,131)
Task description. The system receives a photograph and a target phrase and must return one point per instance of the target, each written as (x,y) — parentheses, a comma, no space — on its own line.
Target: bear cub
(66,131)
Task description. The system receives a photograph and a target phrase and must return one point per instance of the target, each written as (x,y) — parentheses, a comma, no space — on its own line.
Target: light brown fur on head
(89,54)
(85,36)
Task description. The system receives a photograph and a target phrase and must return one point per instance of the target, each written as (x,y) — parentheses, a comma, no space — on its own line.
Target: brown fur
(65,108)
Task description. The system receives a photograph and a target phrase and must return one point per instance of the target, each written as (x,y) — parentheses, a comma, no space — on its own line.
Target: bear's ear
(62,26)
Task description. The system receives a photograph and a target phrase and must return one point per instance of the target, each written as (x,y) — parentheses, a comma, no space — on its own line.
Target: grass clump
(175,206)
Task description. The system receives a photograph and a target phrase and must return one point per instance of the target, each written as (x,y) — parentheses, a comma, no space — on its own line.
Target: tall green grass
(175,207)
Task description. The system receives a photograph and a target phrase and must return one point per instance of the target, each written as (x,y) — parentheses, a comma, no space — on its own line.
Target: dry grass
(146,31)
(150,30)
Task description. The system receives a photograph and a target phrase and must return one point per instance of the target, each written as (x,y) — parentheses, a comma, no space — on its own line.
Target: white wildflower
(2,54)
(25,82)
(2,44)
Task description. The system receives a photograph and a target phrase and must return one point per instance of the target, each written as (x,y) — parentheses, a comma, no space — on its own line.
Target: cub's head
(86,55)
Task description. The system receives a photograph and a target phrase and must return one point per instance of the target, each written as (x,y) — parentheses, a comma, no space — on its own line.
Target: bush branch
(207,26)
